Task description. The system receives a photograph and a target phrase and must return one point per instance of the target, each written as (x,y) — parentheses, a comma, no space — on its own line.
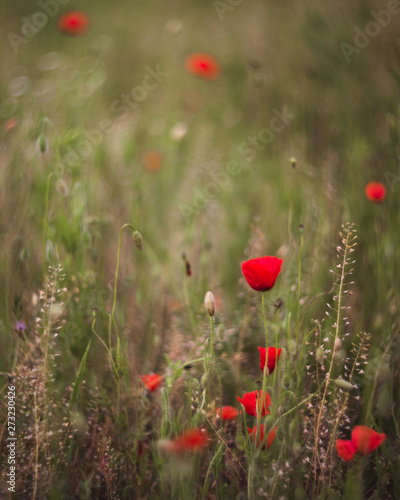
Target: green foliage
(69,183)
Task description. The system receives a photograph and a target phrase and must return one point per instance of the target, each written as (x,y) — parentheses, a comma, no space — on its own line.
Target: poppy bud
(340,356)
(42,144)
(296,449)
(338,344)
(209,303)
(286,382)
(343,384)
(320,355)
(292,347)
(137,240)
(204,380)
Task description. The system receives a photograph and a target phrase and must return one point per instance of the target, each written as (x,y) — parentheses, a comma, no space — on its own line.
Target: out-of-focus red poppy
(227,412)
(261,273)
(273,356)
(203,66)
(363,442)
(74,23)
(10,123)
(152,160)
(152,381)
(189,441)
(375,192)
(253,400)
(259,438)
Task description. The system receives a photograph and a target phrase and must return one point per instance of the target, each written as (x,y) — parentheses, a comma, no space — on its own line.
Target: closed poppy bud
(273,356)
(227,412)
(137,240)
(261,273)
(320,355)
(204,380)
(375,192)
(343,384)
(209,303)
(296,449)
(338,344)
(255,400)
(42,144)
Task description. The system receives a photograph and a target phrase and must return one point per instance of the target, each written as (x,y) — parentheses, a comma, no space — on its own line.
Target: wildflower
(363,442)
(261,273)
(11,123)
(203,66)
(227,412)
(259,438)
(375,192)
(253,401)
(152,381)
(189,441)
(74,23)
(152,160)
(21,327)
(273,356)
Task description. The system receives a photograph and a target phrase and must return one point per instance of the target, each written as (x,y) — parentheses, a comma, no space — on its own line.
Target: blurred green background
(281,57)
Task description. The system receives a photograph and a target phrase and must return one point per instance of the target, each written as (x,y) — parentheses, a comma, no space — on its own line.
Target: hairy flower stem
(112,321)
(265,319)
(276,343)
(211,344)
(45,222)
(260,400)
(299,281)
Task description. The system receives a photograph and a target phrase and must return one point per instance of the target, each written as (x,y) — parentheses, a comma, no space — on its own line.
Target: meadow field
(199,278)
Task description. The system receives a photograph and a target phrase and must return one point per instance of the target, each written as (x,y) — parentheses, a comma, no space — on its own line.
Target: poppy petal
(262,272)
(345,449)
(375,192)
(366,440)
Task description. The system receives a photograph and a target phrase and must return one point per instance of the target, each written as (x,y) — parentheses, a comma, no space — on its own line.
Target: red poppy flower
(260,439)
(74,23)
(261,273)
(152,160)
(375,192)
(363,441)
(227,412)
(203,66)
(273,356)
(252,400)
(152,381)
(10,123)
(192,440)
